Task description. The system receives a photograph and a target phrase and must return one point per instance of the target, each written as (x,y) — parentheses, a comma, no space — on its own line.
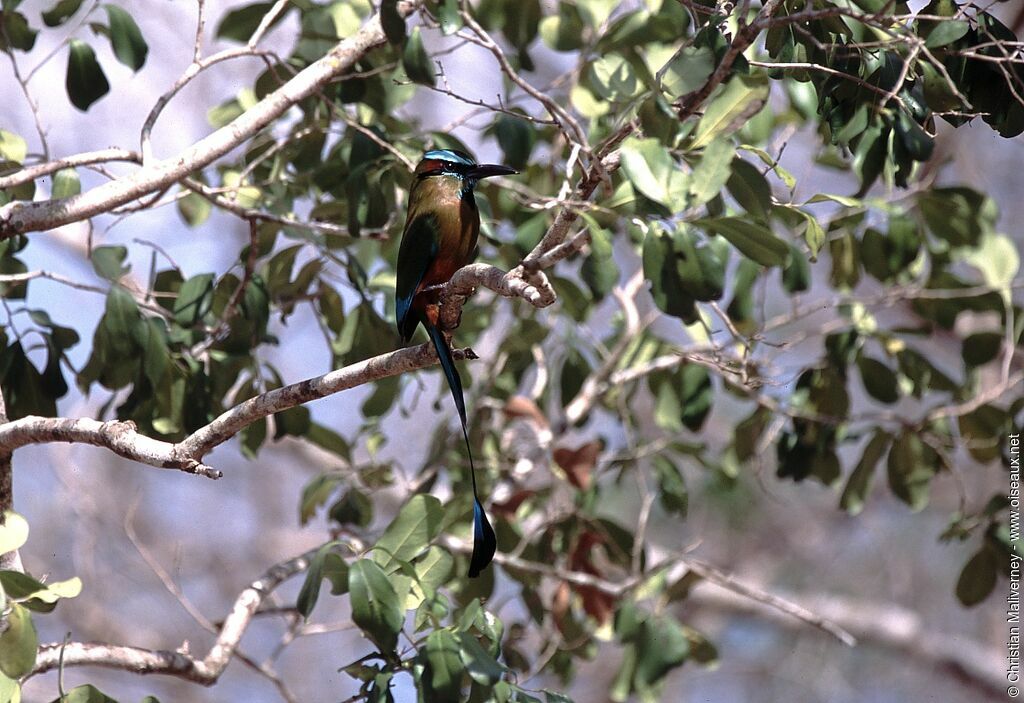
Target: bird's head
(450,162)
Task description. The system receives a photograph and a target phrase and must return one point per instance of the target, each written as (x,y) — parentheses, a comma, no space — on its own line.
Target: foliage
(729,243)
(20,596)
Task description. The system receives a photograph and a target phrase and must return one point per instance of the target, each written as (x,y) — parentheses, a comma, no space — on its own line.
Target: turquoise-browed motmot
(440,236)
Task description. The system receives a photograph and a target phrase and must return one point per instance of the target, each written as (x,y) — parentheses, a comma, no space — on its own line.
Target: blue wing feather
(417,251)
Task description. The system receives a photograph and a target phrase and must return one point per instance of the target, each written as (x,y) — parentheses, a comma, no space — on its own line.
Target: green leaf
(600,275)
(310,591)
(910,472)
(13,533)
(385,393)
(712,171)
(981,348)
(12,147)
(647,164)
(335,570)
(742,98)
(662,645)
(997,259)
(958,215)
(353,508)
(983,429)
(27,391)
(156,356)
(18,643)
(667,408)
(448,17)
(846,261)
(555,697)
(61,12)
(843,200)
(917,142)
(879,380)
(946,32)
(978,577)
(85,81)
(622,685)
(750,188)
(293,422)
(796,278)
(238,25)
(687,71)
(442,675)
(857,487)
(316,493)
(194,209)
(672,488)
(416,62)
(813,233)
(753,240)
(432,571)
(329,440)
(695,394)
(126,39)
(661,269)
(88,693)
(65,184)
(16,34)
(194,300)
(572,374)
(10,690)
(516,138)
(416,525)
(614,78)
(375,605)
(108,262)
(702,650)
(480,665)
(121,319)
(564,31)
(37,595)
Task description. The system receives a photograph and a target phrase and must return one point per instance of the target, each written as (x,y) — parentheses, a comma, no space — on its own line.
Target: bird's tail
(484,542)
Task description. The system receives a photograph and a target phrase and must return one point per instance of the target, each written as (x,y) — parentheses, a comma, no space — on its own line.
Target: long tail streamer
(484,542)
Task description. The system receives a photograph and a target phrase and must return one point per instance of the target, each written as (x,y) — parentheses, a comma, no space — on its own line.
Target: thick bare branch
(88,158)
(123,439)
(19,217)
(205,671)
(228,424)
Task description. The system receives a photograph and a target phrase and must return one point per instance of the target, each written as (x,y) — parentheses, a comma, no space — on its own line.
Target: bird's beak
(487,170)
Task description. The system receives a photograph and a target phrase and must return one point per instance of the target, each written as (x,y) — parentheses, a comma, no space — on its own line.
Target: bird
(441,230)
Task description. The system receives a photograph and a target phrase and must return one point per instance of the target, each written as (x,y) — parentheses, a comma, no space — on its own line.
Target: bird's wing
(417,251)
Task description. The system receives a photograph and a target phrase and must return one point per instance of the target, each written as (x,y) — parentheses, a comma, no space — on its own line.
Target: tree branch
(205,671)
(186,455)
(117,436)
(31,173)
(20,217)
(889,626)
(755,596)
(11,561)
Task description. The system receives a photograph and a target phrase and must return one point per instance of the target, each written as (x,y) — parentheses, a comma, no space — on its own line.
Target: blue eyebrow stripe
(450,155)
